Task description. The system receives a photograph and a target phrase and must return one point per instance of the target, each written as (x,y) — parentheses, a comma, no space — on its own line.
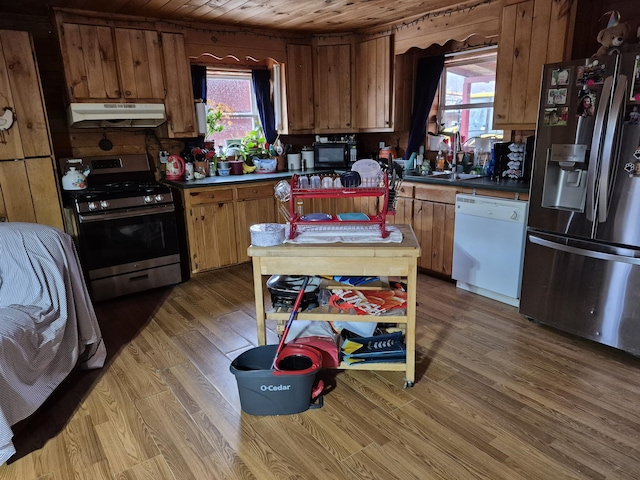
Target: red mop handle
(294,312)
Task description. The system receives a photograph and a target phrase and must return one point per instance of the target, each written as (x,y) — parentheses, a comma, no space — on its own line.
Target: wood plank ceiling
(303,16)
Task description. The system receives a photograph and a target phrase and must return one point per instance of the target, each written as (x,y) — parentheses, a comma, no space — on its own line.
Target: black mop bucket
(285,390)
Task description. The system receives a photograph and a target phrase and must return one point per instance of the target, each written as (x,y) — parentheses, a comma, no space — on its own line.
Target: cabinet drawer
(210,196)
(406,191)
(436,193)
(250,192)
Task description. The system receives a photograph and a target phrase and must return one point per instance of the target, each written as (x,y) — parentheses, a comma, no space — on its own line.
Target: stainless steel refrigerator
(581,269)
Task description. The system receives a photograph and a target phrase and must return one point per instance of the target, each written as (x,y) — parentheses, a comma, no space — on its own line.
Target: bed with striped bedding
(47,321)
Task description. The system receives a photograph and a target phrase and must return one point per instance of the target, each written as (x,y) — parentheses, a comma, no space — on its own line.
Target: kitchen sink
(452,176)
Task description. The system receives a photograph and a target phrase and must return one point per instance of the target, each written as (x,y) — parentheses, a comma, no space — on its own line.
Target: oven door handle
(137,212)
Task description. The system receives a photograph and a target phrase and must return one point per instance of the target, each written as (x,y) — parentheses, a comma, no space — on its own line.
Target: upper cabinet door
(299,74)
(333,92)
(532,33)
(140,62)
(106,63)
(181,116)
(89,57)
(24,131)
(373,84)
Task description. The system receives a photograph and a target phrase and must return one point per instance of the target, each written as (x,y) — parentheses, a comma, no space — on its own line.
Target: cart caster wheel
(408,384)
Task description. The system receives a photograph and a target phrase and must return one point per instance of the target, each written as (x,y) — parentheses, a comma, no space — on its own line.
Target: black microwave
(334,155)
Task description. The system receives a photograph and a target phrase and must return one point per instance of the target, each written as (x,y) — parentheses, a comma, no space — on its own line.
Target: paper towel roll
(201,118)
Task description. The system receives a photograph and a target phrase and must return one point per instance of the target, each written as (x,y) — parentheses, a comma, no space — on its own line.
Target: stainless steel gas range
(124,224)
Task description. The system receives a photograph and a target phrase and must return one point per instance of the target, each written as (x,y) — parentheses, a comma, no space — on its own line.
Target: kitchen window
(466,96)
(230,92)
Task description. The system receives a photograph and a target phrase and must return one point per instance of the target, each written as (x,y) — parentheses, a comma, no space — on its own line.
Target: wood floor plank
(496,397)
(179,440)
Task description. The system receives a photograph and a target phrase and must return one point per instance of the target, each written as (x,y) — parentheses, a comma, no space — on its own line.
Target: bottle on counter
(439,161)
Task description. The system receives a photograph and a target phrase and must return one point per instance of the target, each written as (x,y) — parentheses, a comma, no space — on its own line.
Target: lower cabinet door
(251,212)
(213,243)
(433,224)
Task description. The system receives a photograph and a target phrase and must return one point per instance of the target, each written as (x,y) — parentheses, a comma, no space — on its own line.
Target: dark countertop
(236,179)
(485,183)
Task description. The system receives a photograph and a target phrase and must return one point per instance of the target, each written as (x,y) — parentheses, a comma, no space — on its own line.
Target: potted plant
(217,117)
(253,143)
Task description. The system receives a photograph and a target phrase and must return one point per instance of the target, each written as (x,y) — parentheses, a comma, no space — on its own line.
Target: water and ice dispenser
(565,179)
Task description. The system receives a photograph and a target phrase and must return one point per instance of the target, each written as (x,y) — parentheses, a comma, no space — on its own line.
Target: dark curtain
(427,79)
(199,82)
(262,88)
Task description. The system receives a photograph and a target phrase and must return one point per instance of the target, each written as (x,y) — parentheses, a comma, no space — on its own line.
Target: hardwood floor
(496,397)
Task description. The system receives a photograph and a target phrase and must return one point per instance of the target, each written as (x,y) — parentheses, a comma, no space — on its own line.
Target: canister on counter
(307,158)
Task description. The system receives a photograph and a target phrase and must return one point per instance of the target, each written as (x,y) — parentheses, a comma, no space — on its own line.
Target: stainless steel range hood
(104,115)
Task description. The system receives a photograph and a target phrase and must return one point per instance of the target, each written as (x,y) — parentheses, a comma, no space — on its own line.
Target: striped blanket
(47,321)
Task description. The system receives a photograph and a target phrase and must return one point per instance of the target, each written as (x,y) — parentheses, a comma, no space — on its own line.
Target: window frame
(236,74)
(461,59)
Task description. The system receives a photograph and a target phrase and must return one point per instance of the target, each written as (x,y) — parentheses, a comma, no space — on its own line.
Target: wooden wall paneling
(140,61)
(15,191)
(31,127)
(11,144)
(45,196)
(483,21)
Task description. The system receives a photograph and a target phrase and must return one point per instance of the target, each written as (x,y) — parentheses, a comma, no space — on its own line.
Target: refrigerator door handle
(583,251)
(594,154)
(609,147)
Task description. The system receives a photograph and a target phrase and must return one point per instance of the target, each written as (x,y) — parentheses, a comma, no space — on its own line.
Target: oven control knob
(147,199)
(104,204)
(92,206)
(159,198)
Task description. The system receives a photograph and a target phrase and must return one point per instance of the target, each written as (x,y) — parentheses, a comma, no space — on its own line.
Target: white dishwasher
(488,252)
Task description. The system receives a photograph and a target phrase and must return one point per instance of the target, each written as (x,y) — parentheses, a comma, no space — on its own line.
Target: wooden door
(373,84)
(299,80)
(433,224)
(212,242)
(181,118)
(21,102)
(140,62)
(29,191)
(89,58)
(332,89)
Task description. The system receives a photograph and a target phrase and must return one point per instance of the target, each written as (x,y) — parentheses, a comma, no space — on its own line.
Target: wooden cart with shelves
(349,259)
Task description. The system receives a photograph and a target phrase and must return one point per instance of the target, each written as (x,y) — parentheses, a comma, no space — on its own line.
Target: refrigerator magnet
(635,85)
(587,105)
(634,117)
(557,96)
(555,117)
(560,77)
(591,74)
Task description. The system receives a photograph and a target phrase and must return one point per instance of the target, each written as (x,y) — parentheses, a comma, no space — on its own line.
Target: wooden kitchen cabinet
(218,220)
(254,203)
(373,84)
(29,192)
(181,117)
(433,223)
(300,104)
(107,63)
(333,88)
(28,180)
(533,33)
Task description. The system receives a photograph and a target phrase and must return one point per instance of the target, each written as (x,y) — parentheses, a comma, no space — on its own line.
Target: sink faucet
(455,144)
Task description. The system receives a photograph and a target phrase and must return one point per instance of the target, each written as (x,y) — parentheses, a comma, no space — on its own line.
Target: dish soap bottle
(440,161)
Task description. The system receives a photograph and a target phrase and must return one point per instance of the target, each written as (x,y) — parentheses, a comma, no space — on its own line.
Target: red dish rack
(297,193)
